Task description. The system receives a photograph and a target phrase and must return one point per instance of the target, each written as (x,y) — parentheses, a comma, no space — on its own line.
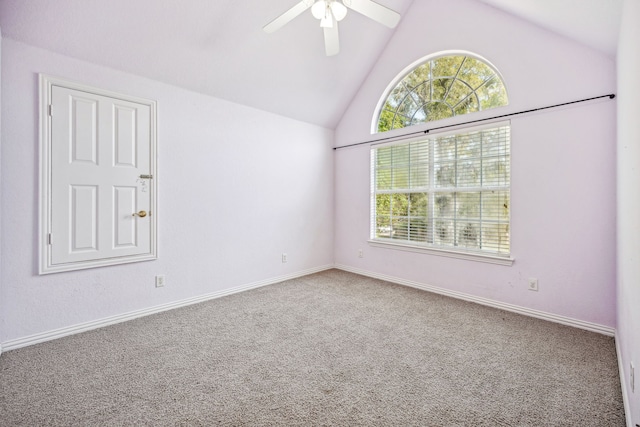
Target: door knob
(141,214)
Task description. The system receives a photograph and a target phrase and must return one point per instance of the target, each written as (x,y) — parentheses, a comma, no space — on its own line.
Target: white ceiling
(217,47)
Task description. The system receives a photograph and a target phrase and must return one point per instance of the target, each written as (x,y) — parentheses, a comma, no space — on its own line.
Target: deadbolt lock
(141,214)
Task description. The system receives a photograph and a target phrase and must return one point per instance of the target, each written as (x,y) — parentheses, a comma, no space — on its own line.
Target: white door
(101,180)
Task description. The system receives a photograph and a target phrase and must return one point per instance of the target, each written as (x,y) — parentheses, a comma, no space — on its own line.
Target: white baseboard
(87,326)
(95,324)
(623,382)
(594,327)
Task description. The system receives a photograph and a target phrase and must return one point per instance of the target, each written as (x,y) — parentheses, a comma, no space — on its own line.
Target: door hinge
(49,239)
(49,109)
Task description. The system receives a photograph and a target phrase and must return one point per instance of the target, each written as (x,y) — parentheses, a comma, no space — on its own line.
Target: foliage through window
(450,191)
(441,88)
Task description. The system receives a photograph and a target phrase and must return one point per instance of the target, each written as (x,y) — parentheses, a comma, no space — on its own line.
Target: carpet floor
(328,349)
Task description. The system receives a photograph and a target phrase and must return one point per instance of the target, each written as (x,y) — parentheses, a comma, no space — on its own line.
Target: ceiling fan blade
(332,40)
(284,19)
(375,11)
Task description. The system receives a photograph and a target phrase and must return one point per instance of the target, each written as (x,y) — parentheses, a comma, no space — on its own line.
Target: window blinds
(449,191)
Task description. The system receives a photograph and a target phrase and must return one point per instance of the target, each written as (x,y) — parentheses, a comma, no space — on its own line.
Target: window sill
(469,256)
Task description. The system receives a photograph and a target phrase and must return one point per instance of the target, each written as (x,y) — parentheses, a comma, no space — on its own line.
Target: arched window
(440,88)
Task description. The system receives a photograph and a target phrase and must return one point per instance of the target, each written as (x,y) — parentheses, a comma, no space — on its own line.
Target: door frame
(45,266)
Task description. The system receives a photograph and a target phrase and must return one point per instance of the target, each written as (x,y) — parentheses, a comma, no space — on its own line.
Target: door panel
(99,148)
(83,212)
(125,144)
(84,131)
(125,223)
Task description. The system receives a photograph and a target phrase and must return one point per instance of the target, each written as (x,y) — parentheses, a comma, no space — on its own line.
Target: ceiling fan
(330,12)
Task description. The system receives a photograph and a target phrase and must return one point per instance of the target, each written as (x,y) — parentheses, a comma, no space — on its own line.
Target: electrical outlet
(632,378)
(284,258)
(160,279)
(533,284)
(360,254)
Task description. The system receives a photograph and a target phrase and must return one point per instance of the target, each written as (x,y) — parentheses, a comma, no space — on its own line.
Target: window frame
(377,113)
(431,190)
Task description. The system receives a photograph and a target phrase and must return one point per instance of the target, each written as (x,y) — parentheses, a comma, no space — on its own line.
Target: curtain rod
(610,96)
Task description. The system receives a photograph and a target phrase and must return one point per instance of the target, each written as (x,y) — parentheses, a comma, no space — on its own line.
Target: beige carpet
(329,349)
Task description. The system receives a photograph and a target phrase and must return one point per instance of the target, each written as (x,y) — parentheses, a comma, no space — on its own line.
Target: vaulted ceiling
(594,23)
(217,47)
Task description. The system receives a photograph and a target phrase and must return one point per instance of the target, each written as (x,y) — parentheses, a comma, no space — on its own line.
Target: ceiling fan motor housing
(325,9)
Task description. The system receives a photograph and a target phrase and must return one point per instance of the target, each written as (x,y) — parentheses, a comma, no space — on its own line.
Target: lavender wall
(237,187)
(563,165)
(628,337)
(1,205)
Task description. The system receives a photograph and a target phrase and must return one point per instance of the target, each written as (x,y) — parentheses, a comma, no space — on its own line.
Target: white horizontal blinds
(496,203)
(401,191)
(450,191)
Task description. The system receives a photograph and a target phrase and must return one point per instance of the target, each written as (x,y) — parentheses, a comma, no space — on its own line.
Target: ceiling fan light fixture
(339,10)
(330,12)
(319,9)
